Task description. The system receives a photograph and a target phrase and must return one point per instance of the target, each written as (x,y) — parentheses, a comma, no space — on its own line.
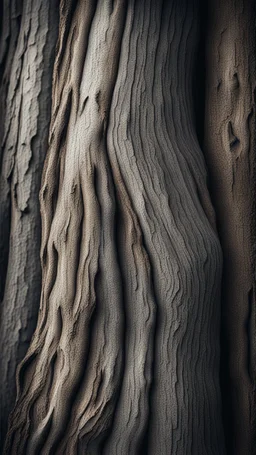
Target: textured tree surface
(230,151)
(125,357)
(126,351)
(26,58)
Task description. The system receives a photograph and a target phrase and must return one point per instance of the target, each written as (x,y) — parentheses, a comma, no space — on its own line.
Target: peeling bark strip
(27,44)
(125,357)
(230,151)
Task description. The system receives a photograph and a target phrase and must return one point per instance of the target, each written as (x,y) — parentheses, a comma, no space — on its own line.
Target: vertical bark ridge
(26,110)
(163,170)
(9,34)
(230,152)
(133,406)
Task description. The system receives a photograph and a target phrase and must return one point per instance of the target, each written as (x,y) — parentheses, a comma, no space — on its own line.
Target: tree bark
(125,356)
(230,152)
(27,44)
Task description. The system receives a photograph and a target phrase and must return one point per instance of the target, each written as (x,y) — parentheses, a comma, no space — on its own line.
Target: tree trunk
(26,57)
(230,151)
(125,356)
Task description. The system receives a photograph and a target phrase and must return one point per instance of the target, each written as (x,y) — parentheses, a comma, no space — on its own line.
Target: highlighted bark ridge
(125,356)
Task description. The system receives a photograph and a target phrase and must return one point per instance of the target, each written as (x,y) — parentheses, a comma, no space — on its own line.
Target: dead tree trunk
(125,356)
(230,152)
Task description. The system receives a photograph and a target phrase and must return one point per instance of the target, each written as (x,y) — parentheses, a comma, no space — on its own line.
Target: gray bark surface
(230,152)
(10,27)
(125,356)
(27,48)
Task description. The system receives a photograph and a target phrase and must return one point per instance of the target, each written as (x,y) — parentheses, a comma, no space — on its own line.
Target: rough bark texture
(26,57)
(230,151)
(125,356)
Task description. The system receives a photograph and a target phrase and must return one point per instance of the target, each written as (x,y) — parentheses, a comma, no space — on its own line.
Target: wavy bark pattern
(26,58)
(125,357)
(230,151)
